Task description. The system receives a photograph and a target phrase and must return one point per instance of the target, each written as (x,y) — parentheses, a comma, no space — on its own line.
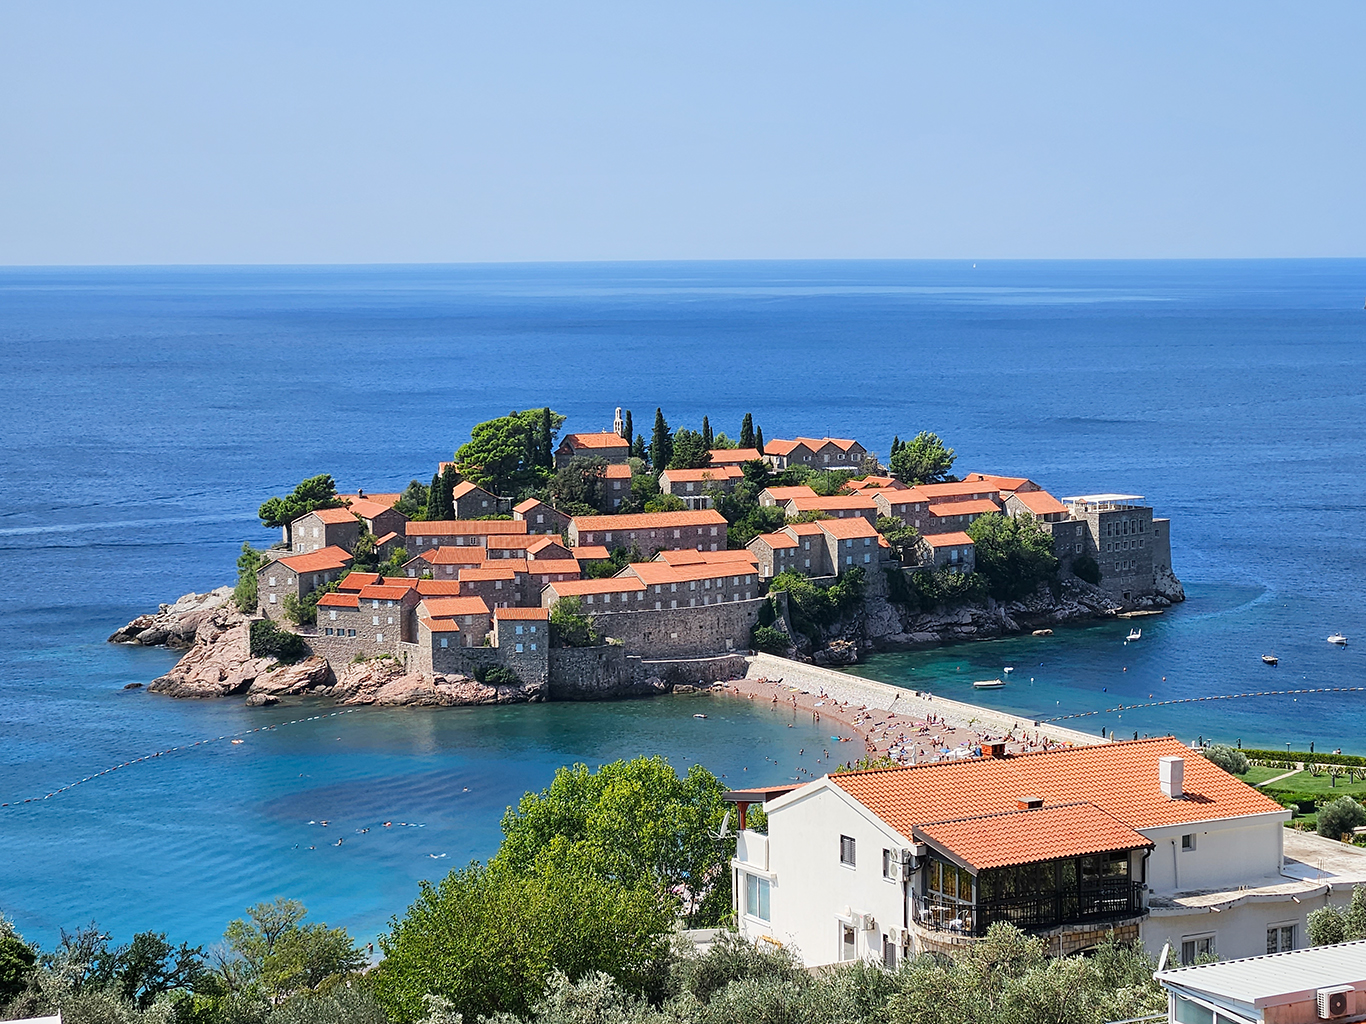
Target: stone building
(470,614)
(297,575)
(379,518)
(694,485)
(540,517)
(605,445)
(1120,537)
(473,502)
(956,516)
(953,551)
(522,629)
(521,546)
(547,549)
(652,531)
(372,620)
(495,585)
(822,453)
(458,532)
(324,528)
(616,484)
(800,547)
(909,504)
(771,496)
(540,573)
(444,563)
(851,542)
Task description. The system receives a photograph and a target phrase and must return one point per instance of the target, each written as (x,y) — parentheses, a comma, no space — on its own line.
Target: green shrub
(244,594)
(767,613)
(948,588)
(1014,553)
(570,627)
(1338,818)
(769,640)
(1232,761)
(268,640)
(1086,569)
(496,675)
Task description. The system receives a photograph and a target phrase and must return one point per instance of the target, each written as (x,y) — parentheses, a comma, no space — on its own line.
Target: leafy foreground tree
(487,938)
(275,952)
(1013,553)
(632,822)
(570,626)
(1331,925)
(1230,759)
(244,594)
(1338,818)
(922,460)
(314,493)
(508,455)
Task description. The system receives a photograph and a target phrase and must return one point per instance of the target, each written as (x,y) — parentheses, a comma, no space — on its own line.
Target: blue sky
(414,132)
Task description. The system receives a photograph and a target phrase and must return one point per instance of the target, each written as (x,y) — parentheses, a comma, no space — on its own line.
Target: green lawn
(1303,782)
(1257,774)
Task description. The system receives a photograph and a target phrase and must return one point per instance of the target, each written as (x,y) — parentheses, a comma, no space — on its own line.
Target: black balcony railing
(1093,901)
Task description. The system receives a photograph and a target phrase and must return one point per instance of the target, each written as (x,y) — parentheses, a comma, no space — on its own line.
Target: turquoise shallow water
(148,412)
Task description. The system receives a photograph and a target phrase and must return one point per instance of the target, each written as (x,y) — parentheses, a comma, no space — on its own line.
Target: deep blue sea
(146,413)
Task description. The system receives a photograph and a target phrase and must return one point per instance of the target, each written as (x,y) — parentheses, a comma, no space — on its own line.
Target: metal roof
(1276,978)
(1104,499)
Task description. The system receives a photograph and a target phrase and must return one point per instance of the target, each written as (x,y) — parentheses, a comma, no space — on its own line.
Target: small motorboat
(1008,669)
(1134,634)
(989,684)
(699,716)
(1269,659)
(1339,639)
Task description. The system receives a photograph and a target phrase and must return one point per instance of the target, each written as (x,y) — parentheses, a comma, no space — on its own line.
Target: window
(519,629)
(847,850)
(391,620)
(888,953)
(533,647)
(272,581)
(272,598)
(445,642)
(519,648)
(1188,841)
(379,638)
(374,620)
(846,941)
(756,897)
(350,632)
(1280,938)
(1194,946)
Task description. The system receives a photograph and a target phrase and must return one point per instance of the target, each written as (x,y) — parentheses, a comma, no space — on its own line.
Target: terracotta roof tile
(518,542)
(368,508)
(1041,503)
(937,491)
(339,601)
(528,505)
(964,508)
(379,592)
(946,540)
(648,521)
(733,456)
(1026,837)
(839,502)
(1119,778)
(687,556)
(437,588)
(331,557)
(387,538)
(522,614)
(464,487)
(464,527)
(877,483)
(659,573)
(485,573)
(331,516)
(617,471)
(590,553)
(605,439)
(356,580)
(709,473)
(777,540)
(552,567)
(611,585)
(847,529)
(783,494)
(444,607)
(440,625)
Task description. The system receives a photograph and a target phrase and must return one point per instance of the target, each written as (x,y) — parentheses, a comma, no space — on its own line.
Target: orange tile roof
(437,588)
(617,471)
(518,542)
(339,601)
(777,540)
(528,505)
(648,521)
(440,625)
(357,580)
(331,516)
(390,536)
(330,557)
(1119,778)
(368,508)
(590,553)
(1026,837)
(870,483)
(782,494)
(946,540)
(714,473)
(659,573)
(553,567)
(610,585)
(805,529)
(687,556)
(464,527)
(847,529)
(378,592)
(1041,503)
(1004,483)
(515,564)
(406,582)
(964,508)
(814,444)
(733,456)
(443,607)
(541,542)
(485,573)
(821,503)
(523,614)
(387,500)
(604,439)
(464,487)
(933,491)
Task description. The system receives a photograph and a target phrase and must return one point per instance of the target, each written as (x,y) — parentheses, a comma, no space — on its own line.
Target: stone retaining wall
(859,691)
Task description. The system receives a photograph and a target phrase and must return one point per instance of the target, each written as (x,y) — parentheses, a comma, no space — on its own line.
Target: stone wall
(532,667)
(590,673)
(692,671)
(683,632)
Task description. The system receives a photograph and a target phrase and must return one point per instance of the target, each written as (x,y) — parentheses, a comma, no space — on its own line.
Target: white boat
(1134,634)
(1339,639)
(1008,669)
(989,684)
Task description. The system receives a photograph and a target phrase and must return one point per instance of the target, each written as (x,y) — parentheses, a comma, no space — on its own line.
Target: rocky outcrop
(384,681)
(174,625)
(220,664)
(1169,587)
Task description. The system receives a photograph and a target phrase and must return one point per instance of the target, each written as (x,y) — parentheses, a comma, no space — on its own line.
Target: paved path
(1277,778)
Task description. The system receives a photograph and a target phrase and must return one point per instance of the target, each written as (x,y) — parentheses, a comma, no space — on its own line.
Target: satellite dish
(1166,953)
(724,831)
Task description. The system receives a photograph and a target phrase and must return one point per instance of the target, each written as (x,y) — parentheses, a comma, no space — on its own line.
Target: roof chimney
(1171,774)
(1029,803)
(994,749)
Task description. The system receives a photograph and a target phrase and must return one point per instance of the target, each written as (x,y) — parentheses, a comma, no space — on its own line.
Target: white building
(1145,839)
(1302,987)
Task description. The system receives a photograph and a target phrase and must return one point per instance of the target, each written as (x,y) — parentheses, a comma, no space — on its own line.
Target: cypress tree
(759,440)
(449,478)
(638,449)
(707,439)
(747,432)
(661,443)
(546,453)
(434,498)
(896,444)
(627,431)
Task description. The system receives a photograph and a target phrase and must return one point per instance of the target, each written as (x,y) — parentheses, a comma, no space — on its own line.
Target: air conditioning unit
(1335,1001)
(905,939)
(866,922)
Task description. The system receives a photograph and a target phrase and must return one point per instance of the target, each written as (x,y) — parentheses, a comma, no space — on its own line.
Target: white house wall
(1228,853)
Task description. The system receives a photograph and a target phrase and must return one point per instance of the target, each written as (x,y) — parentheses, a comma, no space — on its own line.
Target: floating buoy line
(235,737)
(1222,696)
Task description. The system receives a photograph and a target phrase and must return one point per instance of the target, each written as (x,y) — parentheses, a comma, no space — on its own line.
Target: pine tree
(707,439)
(638,449)
(759,440)
(626,430)
(747,432)
(661,443)
(546,453)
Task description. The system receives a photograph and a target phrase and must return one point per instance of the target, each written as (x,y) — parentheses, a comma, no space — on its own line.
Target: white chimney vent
(1171,772)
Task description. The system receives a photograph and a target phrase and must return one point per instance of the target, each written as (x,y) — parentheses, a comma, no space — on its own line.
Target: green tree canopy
(275,951)
(314,493)
(631,822)
(487,939)
(580,481)
(244,593)
(666,503)
(747,431)
(1330,925)
(413,501)
(922,460)
(900,537)
(570,626)
(661,443)
(707,437)
(1338,818)
(1231,759)
(506,455)
(1014,553)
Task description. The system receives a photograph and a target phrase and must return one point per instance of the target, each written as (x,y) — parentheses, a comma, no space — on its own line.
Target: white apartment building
(1145,839)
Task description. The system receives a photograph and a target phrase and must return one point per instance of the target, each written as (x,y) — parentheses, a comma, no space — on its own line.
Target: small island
(599,565)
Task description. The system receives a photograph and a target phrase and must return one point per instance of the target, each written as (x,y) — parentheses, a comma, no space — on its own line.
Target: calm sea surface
(147,413)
